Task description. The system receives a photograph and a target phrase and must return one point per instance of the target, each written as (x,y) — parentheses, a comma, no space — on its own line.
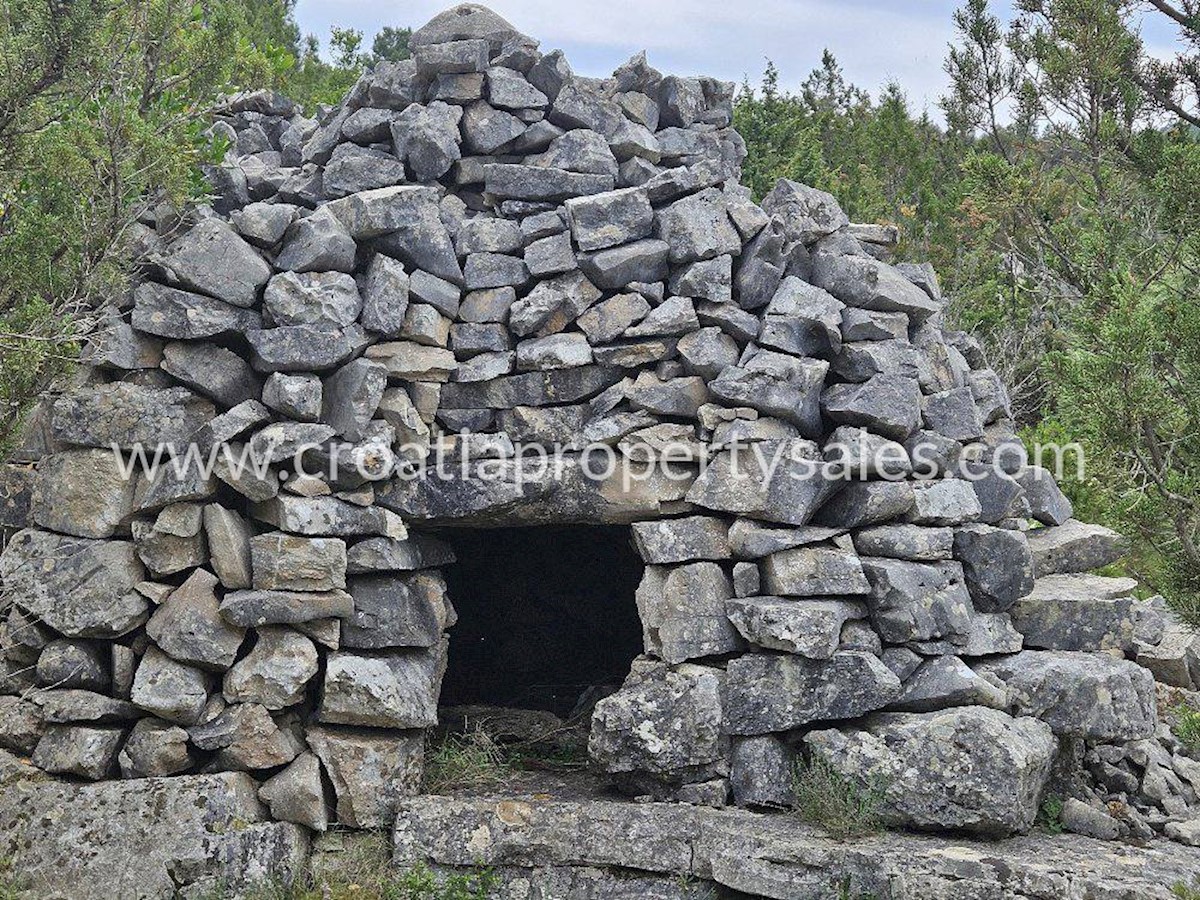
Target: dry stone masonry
(477,252)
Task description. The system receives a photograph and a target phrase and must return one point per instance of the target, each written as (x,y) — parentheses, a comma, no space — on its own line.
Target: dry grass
(830,800)
(470,760)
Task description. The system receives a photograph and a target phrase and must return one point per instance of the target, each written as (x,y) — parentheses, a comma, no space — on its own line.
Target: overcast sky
(875,40)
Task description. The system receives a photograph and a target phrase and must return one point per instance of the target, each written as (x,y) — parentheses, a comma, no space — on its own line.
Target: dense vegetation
(1059,201)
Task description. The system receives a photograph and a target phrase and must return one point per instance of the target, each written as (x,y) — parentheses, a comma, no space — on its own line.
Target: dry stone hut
(516,398)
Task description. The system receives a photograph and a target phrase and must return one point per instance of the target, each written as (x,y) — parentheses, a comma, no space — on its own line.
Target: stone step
(623,850)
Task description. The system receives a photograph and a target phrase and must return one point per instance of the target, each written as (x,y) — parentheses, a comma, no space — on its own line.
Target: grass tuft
(1187,725)
(470,760)
(842,806)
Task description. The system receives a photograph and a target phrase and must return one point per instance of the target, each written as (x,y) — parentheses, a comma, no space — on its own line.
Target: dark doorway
(544,614)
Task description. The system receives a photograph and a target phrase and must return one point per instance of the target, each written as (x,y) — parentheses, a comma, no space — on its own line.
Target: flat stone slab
(772,855)
(196,836)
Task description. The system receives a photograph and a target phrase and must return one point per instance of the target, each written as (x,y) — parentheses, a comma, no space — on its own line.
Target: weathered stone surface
(387,555)
(915,543)
(682,540)
(371,771)
(997,565)
(327,516)
(866,283)
(665,722)
(189,628)
(973,769)
(776,693)
(71,664)
(1074,547)
(82,493)
(918,602)
(284,562)
(1047,503)
(229,545)
(84,752)
(274,673)
(777,481)
(155,748)
(318,243)
(21,725)
(396,690)
(605,220)
(1086,695)
(814,572)
(312,298)
(946,681)
(945,501)
(1078,612)
(862,503)
(253,609)
(80,588)
(761,772)
(807,213)
(889,405)
(213,260)
(213,371)
(128,415)
(169,689)
(304,348)
(181,315)
(683,612)
(397,611)
(808,628)
(297,795)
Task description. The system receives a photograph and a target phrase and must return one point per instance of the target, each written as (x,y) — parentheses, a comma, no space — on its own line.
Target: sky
(876,41)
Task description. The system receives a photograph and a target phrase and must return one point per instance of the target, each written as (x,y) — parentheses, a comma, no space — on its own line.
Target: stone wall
(477,253)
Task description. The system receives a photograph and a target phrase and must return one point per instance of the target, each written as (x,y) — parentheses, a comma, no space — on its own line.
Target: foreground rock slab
(145,838)
(543,843)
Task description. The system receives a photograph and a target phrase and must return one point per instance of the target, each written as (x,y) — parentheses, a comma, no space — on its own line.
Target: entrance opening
(544,615)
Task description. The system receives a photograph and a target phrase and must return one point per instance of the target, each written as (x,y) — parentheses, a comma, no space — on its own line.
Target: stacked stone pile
(478,250)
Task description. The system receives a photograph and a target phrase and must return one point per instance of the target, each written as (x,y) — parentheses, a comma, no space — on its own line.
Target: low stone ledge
(542,843)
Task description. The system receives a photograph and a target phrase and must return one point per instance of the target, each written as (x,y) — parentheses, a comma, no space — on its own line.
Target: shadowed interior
(543,614)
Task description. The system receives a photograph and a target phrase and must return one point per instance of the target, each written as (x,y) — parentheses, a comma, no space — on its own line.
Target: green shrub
(842,806)
(1187,725)
(1049,815)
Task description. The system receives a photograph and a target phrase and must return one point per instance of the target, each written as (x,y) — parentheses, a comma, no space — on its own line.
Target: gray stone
(664,722)
(327,517)
(213,371)
(814,572)
(395,690)
(213,260)
(1079,818)
(617,267)
(1086,695)
(997,564)
(777,482)
(531,388)
(282,441)
(82,493)
(274,673)
(486,129)
(427,138)
(682,540)
(128,415)
(807,214)
(808,628)
(1047,503)
(866,283)
(953,414)
(304,348)
(397,611)
(697,228)
(154,749)
(970,769)
(172,313)
(508,89)
(353,169)
(606,220)
(263,224)
(318,243)
(760,772)
(312,298)
(74,750)
(409,361)
(683,612)
(790,394)
(775,693)
(606,321)
(1078,612)
(1000,496)
(73,664)
(1074,547)
(371,771)
(917,601)
(889,405)
(946,501)
(351,395)
(21,725)
(947,681)
(169,689)
(80,588)
(295,396)
(253,609)
(289,563)
(555,351)
(911,542)
(862,503)
(174,542)
(297,795)
(494,270)
(72,705)
(541,183)
(868,325)
(245,737)
(551,255)
(384,289)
